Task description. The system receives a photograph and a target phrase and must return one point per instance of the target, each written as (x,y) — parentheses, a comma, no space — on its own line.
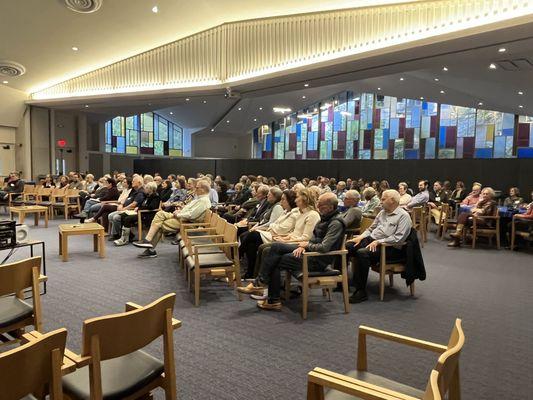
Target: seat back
(124,333)
(28,188)
(448,362)
(444,212)
(365,223)
(17,276)
(416,216)
(432,389)
(29,368)
(207,215)
(230,236)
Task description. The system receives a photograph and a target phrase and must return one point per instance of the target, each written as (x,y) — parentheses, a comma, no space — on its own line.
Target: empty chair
(15,313)
(112,364)
(26,370)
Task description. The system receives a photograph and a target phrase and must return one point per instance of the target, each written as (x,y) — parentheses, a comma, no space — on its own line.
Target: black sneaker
(144,244)
(358,297)
(148,253)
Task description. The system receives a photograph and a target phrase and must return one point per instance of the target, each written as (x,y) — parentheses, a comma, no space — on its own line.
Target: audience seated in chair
(405,197)
(371,201)
(422,197)
(485,207)
(391,226)
(328,235)
(473,196)
(353,214)
(264,215)
(514,200)
(14,187)
(108,207)
(135,198)
(108,192)
(151,203)
(165,222)
(436,197)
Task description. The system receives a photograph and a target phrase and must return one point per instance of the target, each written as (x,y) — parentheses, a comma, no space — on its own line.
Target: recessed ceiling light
(260,108)
(205,101)
(520,106)
(379,88)
(75,48)
(306,85)
(281,109)
(171,113)
(86,105)
(240,108)
(442,92)
(5,82)
(421,98)
(445,69)
(492,66)
(401,79)
(304,97)
(212,129)
(336,102)
(187,99)
(520,92)
(155,9)
(227,121)
(149,104)
(480,103)
(502,50)
(436,79)
(255,119)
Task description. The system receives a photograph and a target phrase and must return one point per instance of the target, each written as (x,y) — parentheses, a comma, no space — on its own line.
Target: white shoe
(88,221)
(120,242)
(263,296)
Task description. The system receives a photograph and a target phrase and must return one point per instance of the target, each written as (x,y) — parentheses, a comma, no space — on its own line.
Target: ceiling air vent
(518,64)
(83,6)
(11,68)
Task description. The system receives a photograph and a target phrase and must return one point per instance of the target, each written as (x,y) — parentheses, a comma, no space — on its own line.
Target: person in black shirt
(135,198)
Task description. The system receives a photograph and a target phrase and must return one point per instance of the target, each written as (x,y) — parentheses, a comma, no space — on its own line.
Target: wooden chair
(225,264)
(364,385)
(447,220)
(112,364)
(524,234)
(418,217)
(204,234)
(485,231)
(68,200)
(17,199)
(15,313)
(140,214)
(390,268)
(26,370)
(325,280)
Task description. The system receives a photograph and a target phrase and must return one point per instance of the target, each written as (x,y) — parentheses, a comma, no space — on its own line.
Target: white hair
(393,194)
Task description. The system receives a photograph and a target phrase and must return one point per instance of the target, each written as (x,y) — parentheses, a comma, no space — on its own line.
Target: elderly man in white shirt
(391,226)
(170,222)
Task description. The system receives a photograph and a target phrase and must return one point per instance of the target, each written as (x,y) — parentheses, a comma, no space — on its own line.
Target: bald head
(327,203)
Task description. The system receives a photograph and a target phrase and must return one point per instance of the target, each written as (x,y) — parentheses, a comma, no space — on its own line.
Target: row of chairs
(56,199)
(112,363)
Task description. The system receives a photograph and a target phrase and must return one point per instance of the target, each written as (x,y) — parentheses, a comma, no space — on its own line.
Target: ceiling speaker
(23,233)
(83,6)
(11,68)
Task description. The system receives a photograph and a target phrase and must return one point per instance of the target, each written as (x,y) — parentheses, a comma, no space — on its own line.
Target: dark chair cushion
(374,380)
(209,260)
(121,376)
(13,310)
(202,250)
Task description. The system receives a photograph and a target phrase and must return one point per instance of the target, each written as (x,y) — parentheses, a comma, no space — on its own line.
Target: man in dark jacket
(327,236)
(391,226)
(13,185)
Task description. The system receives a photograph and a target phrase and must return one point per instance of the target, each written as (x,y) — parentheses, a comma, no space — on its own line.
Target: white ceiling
(40,34)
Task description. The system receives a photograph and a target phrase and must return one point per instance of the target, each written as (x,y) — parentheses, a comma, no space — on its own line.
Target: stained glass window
(146,133)
(494,134)
(457,131)
(313,132)
(366,126)
(524,137)
(352,124)
(262,142)
(279,139)
(326,129)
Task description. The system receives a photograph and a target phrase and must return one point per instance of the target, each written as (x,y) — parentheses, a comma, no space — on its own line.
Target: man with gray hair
(391,226)
(353,214)
(171,222)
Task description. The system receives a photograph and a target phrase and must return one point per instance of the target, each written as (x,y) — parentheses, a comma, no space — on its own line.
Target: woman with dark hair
(94,202)
(514,199)
(283,225)
(272,181)
(383,185)
(165,190)
(62,182)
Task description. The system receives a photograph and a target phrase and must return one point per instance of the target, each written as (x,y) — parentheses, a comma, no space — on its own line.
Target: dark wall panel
(96,164)
(498,173)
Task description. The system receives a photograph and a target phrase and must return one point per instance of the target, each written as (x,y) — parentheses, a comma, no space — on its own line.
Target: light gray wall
(7,155)
(23,146)
(221,146)
(40,140)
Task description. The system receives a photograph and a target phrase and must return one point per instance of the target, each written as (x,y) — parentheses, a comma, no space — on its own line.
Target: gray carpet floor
(228,349)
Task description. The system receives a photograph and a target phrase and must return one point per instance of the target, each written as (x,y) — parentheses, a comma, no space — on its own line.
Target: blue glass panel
(508,132)
(499,147)
(525,152)
(483,153)
(411,154)
(268,142)
(385,139)
(442,137)
(430,148)
(394,128)
(415,117)
(121,144)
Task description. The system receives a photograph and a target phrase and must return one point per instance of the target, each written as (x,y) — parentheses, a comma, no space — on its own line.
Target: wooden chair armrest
(208,237)
(11,194)
(77,359)
(223,244)
(201,230)
(130,306)
(384,245)
(353,387)
(43,278)
(409,341)
(329,253)
(68,365)
(195,224)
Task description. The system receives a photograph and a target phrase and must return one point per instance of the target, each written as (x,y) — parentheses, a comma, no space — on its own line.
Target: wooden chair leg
(512,235)
(412,288)
(381,284)
(498,239)
(314,391)
(196,286)
(474,237)
(391,280)
(345,294)
(305,295)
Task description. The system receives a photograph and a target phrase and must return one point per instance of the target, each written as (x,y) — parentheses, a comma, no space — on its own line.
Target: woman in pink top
(473,197)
